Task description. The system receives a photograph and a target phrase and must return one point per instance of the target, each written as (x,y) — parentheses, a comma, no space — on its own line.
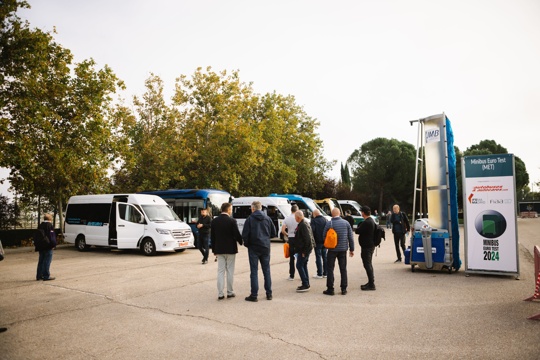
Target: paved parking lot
(121,305)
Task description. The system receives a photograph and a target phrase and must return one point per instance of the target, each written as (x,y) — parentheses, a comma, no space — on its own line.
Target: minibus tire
(148,247)
(80,243)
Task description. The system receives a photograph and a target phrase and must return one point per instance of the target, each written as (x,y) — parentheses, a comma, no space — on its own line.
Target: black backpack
(378,235)
(41,241)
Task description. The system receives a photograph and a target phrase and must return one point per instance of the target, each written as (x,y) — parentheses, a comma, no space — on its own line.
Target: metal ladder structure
(420,167)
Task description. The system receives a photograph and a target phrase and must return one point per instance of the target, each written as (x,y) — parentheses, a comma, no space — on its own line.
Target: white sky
(362,68)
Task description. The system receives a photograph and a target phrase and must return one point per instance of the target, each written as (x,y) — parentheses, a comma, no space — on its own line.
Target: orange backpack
(330,241)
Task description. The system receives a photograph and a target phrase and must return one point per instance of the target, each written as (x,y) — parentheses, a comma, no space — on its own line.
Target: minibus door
(129,225)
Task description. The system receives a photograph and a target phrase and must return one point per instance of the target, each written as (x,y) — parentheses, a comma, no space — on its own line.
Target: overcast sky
(362,68)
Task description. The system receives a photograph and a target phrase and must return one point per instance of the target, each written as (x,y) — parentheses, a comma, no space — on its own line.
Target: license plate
(184,243)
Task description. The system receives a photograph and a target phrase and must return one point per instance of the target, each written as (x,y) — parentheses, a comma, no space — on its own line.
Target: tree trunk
(61,217)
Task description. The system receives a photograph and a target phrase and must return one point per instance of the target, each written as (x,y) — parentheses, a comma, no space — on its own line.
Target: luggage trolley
(431,240)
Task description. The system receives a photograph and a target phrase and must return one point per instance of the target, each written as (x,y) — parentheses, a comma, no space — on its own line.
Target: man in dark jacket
(304,245)
(46,252)
(225,236)
(400,227)
(257,232)
(203,224)
(366,231)
(318,222)
(345,242)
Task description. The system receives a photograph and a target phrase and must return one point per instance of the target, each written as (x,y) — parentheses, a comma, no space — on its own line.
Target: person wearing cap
(366,231)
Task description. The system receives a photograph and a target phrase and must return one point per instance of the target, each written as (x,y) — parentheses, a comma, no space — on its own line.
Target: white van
(354,208)
(125,221)
(275,207)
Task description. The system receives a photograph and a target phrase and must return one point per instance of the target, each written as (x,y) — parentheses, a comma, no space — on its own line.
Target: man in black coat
(46,250)
(203,224)
(366,231)
(225,236)
(304,245)
(318,222)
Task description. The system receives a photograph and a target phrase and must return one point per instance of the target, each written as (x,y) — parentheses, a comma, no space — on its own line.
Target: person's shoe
(49,278)
(37,279)
(317,276)
(221,297)
(397,261)
(343,292)
(290,278)
(324,276)
(2,329)
(215,260)
(268,297)
(302,288)
(328,292)
(368,287)
(251,298)
(231,296)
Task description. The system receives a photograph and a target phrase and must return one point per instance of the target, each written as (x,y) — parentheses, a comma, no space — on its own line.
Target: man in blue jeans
(45,250)
(318,222)
(345,242)
(304,245)
(257,232)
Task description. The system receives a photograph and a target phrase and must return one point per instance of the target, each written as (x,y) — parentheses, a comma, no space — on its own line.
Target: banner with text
(489,204)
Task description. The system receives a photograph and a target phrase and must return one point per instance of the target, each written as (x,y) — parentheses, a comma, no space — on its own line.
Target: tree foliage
(55,117)
(383,173)
(217,133)
(345,175)
(9,213)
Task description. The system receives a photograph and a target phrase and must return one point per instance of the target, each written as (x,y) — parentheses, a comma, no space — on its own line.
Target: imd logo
(433,135)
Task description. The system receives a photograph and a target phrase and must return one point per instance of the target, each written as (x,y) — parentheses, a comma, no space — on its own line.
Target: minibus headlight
(163,231)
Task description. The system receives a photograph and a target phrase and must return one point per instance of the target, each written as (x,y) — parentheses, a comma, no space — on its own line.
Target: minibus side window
(129,213)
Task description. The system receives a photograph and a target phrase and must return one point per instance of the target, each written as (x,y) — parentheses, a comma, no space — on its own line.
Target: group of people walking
(303,238)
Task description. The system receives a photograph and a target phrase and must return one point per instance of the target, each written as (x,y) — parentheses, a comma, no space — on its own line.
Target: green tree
(152,143)
(9,213)
(56,120)
(383,172)
(244,142)
(488,147)
(345,175)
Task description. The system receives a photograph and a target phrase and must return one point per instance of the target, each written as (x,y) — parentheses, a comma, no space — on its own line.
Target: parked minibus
(276,208)
(305,204)
(328,204)
(354,208)
(188,203)
(125,221)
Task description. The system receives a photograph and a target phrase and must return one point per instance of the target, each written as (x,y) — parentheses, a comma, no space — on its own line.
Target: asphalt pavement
(110,304)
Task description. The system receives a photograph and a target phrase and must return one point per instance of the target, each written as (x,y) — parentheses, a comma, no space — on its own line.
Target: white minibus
(354,208)
(275,207)
(125,221)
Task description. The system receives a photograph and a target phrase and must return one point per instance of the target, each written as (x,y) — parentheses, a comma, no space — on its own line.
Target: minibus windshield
(159,213)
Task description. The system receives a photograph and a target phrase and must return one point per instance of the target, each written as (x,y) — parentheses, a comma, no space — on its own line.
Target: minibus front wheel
(148,247)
